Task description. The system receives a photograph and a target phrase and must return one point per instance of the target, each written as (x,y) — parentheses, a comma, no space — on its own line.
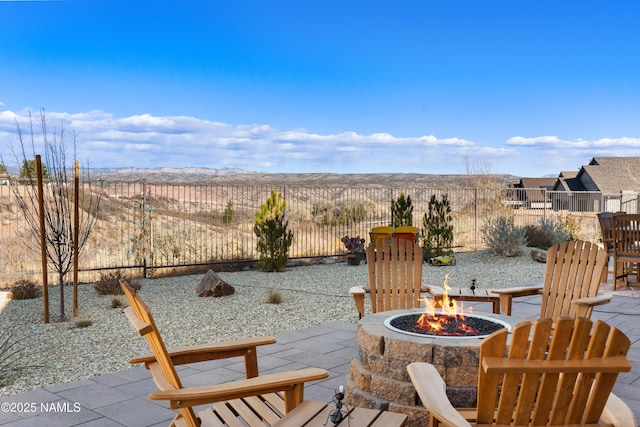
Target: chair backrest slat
(555,394)
(574,270)
(626,235)
(606,229)
(395,274)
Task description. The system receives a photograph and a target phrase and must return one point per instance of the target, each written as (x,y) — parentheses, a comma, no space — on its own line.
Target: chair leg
(605,273)
(619,272)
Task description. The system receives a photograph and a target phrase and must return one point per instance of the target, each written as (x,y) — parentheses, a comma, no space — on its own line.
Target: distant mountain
(239,176)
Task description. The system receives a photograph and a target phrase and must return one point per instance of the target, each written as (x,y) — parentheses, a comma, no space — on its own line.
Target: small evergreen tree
(401,211)
(274,239)
(437,232)
(28,170)
(227,217)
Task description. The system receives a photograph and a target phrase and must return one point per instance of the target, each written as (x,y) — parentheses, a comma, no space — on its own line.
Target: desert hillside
(239,176)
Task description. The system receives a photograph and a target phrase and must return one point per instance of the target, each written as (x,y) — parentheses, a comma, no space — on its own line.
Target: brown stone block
(417,415)
(409,349)
(371,339)
(354,396)
(392,368)
(456,355)
(360,376)
(393,390)
(461,376)
(463,397)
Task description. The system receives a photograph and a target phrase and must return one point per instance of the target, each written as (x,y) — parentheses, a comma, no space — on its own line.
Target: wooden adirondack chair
(561,376)
(257,400)
(605,219)
(395,276)
(573,274)
(626,247)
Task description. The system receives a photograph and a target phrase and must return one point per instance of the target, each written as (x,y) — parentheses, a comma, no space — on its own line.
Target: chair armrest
(432,391)
(618,413)
(292,383)
(508,294)
(594,301)
(357,290)
(584,306)
(218,350)
(358,297)
(520,291)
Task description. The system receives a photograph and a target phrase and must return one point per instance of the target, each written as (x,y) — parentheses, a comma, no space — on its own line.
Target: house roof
(568,181)
(568,174)
(537,183)
(533,187)
(614,174)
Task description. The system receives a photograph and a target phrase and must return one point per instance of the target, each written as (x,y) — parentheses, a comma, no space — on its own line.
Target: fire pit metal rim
(388,320)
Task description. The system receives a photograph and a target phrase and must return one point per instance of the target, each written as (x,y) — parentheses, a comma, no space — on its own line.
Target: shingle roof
(533,187)
(614,174)
(569,184)
(568,174)
(537,182)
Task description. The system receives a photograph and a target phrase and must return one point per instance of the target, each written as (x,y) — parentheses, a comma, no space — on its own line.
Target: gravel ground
(59,352)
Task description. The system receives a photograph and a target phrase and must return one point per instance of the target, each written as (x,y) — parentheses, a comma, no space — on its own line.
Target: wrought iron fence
(147,227)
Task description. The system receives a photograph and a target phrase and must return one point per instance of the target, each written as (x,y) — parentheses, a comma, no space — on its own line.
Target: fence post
(475,218)
(143,218)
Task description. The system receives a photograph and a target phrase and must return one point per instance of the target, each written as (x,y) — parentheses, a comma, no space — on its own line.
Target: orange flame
(447,307)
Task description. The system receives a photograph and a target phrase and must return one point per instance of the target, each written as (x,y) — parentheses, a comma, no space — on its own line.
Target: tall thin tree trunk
(61,283)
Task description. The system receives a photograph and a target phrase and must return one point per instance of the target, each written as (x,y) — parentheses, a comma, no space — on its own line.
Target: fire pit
(440,324)
(378,378)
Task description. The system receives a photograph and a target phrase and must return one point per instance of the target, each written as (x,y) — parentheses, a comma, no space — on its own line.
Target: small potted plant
(355,246)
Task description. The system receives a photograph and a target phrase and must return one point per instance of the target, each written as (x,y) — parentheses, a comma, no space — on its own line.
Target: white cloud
(145,140)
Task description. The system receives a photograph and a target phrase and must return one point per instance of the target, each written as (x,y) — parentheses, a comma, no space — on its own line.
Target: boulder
(213,286)
(539,255)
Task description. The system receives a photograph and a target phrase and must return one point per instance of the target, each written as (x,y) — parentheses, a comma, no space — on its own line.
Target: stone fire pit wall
(379,379)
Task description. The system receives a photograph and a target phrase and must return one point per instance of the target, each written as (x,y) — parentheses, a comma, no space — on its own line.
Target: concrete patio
(120,398)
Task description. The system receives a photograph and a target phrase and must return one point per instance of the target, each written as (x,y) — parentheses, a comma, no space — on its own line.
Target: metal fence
(149,227)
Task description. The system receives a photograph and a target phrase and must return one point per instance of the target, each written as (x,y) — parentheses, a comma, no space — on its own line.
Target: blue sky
(528,88)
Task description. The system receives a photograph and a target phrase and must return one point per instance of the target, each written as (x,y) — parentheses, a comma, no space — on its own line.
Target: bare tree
(58,197)
(480,175)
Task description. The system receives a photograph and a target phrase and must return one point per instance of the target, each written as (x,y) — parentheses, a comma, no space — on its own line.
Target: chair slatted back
(166,376)
(395,274)
(626,236)
(605,219)
(574,270)
(561,374)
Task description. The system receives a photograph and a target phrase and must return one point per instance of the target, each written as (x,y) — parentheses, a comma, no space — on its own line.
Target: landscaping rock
(539,255)
(213,286)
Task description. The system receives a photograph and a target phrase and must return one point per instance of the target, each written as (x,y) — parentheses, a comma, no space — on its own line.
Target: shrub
(340,214)
(536,237)
(116,302)
(570,225)
(25,289)
(83,323)
(501,235)
(547,233)
(437,231)
(12,347)
(401,211)
(274,297)
(227,217)
(109,284)
(274,239)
